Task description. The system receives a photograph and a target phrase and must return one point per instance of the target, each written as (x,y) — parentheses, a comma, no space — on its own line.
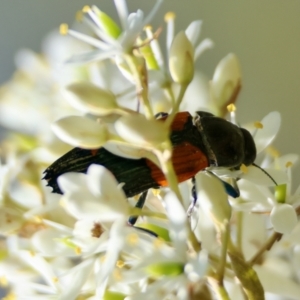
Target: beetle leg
(140,203)
(231,188)
(194,195)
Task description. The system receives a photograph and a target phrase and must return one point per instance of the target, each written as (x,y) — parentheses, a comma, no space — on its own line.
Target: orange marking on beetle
(94,151)
(179,120)
(187,160)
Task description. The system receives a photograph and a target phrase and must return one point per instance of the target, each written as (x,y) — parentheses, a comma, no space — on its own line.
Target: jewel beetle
(198,143)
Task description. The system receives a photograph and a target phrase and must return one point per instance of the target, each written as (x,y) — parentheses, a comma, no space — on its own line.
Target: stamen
(37,219)
(120,263)
(97,230)
(273,152)
(64,29)
(158,243)
(3,281)
(231,108)
(91,12)
(288,164)
(55,279)
(154,44)
(78,250)
(10,296)
(258,125)
(132,239)
(79,16)
(86,9)
(87,39)
(117,275)
(155,192)
(169,16)
(244,169)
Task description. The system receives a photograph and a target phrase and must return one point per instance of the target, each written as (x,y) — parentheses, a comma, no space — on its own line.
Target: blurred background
(264,34)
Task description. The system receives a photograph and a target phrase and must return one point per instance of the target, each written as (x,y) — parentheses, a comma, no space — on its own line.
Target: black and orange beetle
(198,143)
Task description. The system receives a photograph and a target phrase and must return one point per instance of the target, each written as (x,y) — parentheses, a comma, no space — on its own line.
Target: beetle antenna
(257,166)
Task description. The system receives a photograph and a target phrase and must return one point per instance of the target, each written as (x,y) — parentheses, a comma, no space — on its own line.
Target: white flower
(226,83)
(181,59)
(213,198)
(89,98)
(111,44)
(95,195)
(139,131)
(33,95)
(81,132)
(173,266)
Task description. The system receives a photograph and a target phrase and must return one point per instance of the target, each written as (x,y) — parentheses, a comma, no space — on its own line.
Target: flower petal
(102,182)
(89,98)
(181,59)
(193,31)
(283,218)
(226,79)
(258,177)
(213,198)
(277,284)
(70,182)
(138,130)
(264,136)
(80,132)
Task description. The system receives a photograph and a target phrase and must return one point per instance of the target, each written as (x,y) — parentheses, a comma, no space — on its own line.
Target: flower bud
(89,98)
(81,132)
(213,198)
(181,59)
(140,131)
(108,25)
(226,80)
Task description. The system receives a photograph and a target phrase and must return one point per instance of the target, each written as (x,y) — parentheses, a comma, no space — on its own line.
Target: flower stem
(246,274)
(139,73)
(218,288)
(165,159)
(239,230)
(276,236)
(225,234)
(171,117)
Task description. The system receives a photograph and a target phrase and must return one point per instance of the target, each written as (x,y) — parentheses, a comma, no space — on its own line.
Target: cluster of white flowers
(101,85)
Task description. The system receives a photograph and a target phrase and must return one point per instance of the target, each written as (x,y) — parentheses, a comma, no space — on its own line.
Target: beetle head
(227,145)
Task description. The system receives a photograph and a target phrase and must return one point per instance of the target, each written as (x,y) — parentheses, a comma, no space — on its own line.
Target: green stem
(219,289)
(246,274)
(276,236)
(168,170)
(169,92)
(225,234)
(239,230)
(139,72)
(171,117)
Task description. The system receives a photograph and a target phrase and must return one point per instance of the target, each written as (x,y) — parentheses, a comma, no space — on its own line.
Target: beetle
(198,143)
